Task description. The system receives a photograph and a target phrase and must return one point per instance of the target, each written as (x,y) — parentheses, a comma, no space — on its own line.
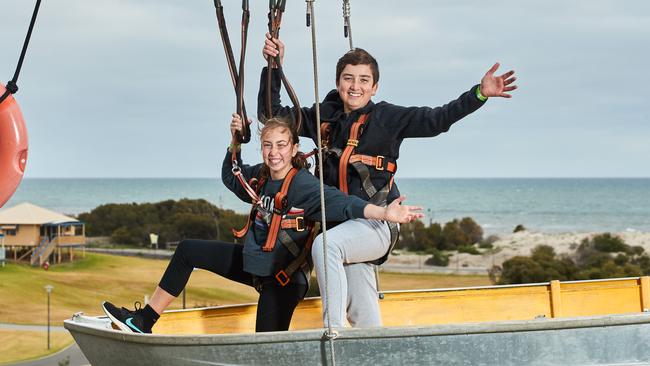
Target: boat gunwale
(495,287)
(540,324)
(421,291)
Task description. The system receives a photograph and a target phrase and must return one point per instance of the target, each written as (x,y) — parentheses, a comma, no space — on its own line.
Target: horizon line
(407,177)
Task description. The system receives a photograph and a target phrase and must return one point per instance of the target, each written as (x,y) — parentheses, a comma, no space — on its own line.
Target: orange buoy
(13,146)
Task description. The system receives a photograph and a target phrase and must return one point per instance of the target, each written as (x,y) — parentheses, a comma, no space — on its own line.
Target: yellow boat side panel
(481,304)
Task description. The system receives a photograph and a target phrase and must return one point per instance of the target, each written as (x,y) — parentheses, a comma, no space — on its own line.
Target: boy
(362,141)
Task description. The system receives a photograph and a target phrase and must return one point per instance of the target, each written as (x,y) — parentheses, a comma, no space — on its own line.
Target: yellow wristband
(480,96)
(234,147)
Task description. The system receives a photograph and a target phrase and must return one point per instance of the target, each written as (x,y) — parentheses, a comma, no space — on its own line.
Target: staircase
(43,251)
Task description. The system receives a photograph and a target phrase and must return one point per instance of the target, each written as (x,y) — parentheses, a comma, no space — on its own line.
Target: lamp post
(49,289)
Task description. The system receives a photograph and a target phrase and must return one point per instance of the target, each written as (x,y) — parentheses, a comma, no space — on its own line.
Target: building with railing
(33,233)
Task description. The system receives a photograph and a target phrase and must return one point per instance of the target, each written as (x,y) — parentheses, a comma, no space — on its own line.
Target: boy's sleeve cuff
(480,96)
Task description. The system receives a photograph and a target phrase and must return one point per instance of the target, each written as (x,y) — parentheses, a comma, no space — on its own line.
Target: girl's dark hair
(299,161)
(354,57)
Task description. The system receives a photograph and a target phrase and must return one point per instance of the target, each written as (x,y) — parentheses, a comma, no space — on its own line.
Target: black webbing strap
(12,85)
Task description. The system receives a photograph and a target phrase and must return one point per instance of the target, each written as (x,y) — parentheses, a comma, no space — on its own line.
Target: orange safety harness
(361,164)
(277,229)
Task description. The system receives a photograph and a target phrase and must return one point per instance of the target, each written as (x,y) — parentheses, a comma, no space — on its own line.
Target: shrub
(470,249)
(609,244)
(453,236)
(437,258)
(522,270)
(519,228)
(488,243)
(172,220)
(593,259)
(416,237)
(194,226)
(471,229)
(122,235)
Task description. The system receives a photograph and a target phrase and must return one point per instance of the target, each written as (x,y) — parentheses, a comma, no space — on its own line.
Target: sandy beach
(508,246)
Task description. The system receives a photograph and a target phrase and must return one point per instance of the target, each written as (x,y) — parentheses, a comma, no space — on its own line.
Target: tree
(522,270)
(472,230)
(453,236)
(172,220)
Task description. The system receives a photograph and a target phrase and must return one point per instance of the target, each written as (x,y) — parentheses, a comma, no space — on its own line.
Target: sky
(117,88)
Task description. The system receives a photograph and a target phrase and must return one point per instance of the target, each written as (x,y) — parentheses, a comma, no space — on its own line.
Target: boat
(596,322)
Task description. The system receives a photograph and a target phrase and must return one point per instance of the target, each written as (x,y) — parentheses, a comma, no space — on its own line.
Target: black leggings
(276,303)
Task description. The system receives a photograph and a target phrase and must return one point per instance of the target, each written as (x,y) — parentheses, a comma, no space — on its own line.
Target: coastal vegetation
(439,240)
(601,256)
(171,220)
(131,224)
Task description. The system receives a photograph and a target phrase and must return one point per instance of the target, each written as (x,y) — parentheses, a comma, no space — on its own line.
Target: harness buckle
(379,162)
(300,223)
(282,278)
(353,142)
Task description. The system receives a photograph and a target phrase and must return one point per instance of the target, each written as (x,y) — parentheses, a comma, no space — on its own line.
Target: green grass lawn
(25,345)
(84,284)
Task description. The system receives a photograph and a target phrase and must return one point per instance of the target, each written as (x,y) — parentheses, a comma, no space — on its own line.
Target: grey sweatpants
(352,288)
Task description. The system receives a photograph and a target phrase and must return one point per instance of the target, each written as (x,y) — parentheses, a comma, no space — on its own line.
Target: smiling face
(356,86)
(277,151)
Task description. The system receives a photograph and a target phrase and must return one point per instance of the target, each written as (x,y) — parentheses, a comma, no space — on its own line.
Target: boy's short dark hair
(358,56)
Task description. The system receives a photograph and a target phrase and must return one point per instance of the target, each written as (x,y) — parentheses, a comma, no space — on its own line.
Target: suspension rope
(347,25)
(12,85)
(276,9)
(330,334)
(237,77)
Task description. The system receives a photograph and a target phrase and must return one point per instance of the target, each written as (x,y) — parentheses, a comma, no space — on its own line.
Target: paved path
(36,328)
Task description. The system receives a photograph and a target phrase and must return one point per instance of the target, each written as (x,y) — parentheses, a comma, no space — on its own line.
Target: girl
(267,264)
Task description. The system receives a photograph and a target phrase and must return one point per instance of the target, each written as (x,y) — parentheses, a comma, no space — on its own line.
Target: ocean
(498,205)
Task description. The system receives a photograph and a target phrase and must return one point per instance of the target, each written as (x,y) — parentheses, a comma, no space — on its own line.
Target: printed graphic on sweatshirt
(264,215)
(264,212)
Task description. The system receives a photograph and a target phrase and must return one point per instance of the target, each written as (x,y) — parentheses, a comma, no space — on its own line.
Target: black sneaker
(125,319)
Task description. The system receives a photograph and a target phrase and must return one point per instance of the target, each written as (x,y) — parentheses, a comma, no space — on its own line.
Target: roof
(30,214)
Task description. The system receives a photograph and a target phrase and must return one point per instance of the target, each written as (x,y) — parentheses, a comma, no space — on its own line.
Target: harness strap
(303,258)
(353,141)
(291,245)
(236,171)
(379,162)
(394,235)
(366,182)
(242,232)
(296,223)
(279,204)
(249,220)
(325,135)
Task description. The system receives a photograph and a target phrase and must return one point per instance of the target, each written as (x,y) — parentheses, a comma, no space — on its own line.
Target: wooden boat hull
(604,322)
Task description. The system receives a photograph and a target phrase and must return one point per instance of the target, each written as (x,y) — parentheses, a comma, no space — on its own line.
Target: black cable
(12,86)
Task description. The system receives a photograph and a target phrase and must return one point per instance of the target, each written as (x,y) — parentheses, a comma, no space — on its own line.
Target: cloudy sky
(140,88)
